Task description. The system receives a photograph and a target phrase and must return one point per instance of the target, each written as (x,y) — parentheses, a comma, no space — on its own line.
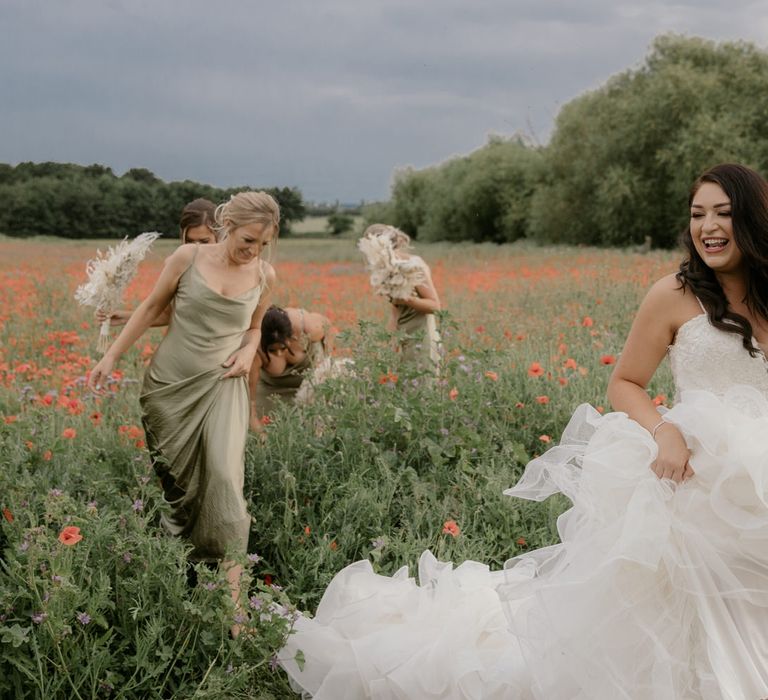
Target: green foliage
(339,222)
(381,459)
(619,164)
(377,213)
(623,157)
(72,201)
(481,197)
(373,468)
(119,613)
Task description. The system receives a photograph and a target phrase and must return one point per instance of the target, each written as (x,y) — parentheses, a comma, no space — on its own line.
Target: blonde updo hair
(246,208)
(399,239)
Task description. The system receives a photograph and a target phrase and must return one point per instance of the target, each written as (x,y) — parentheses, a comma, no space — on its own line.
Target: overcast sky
(330,96)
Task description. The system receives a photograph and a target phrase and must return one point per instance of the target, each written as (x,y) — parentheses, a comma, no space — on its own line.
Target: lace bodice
(704,357)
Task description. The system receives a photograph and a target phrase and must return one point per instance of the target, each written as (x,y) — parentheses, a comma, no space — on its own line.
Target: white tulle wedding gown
(658,591)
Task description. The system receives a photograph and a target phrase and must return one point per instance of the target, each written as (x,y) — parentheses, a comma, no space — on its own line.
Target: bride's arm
(653,330)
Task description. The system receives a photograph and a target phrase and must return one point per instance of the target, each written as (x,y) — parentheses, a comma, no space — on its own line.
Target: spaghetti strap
(701,305)
(194,258)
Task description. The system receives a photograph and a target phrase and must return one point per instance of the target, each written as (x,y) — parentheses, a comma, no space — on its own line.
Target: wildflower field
(96,602)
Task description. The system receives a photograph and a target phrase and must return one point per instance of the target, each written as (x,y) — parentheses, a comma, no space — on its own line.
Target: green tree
(64,199)
(622,158)
(484,196)
(339,222)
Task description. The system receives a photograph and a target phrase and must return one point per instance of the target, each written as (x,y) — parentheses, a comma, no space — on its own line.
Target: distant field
(318,224)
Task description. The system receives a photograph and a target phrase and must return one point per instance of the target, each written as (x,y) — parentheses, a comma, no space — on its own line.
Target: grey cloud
(328,96)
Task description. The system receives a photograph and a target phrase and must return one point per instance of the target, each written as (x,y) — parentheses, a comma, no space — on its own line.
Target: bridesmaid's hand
(118,318)
(672,460)
(239,363)
(100,375)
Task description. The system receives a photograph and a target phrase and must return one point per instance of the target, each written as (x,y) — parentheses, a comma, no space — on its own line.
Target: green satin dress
(196,423)
(419,341)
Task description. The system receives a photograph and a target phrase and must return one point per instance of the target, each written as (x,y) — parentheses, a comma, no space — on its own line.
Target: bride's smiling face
(712,229)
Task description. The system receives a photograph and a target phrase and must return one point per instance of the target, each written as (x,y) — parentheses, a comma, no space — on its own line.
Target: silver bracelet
(656,427)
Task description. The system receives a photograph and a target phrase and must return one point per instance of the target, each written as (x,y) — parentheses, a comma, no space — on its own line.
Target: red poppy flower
(535,370)
(451,528)
(70,535)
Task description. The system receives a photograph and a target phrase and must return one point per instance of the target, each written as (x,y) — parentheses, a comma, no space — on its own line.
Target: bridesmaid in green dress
(413,318)
(195,394)
(293,341)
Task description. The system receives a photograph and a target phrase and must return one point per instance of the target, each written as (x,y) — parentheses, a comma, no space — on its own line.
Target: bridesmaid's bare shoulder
(182,256)
(268,274)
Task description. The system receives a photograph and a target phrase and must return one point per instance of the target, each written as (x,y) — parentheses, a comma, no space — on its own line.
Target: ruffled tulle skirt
(657,591)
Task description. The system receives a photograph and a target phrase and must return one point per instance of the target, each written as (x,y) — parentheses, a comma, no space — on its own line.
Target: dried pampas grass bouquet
(109,274)
(391,276)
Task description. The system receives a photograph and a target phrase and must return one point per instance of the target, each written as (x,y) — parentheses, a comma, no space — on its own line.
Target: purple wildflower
(255,603)
(37,618)
(127,557)
(83,618)
(138,505)
(254,558)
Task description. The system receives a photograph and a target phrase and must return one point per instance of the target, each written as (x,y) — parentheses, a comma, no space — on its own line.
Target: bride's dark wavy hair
(748,193)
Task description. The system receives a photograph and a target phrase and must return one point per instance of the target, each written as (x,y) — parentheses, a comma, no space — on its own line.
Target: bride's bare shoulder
(669,301)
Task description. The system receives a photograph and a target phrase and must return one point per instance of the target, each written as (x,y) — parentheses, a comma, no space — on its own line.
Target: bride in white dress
(659,587)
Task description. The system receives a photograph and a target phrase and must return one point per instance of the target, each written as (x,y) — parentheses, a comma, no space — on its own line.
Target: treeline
(74,201)
(620,162)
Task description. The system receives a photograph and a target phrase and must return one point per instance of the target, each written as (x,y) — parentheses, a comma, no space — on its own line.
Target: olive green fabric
(196,422)
(419,340)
